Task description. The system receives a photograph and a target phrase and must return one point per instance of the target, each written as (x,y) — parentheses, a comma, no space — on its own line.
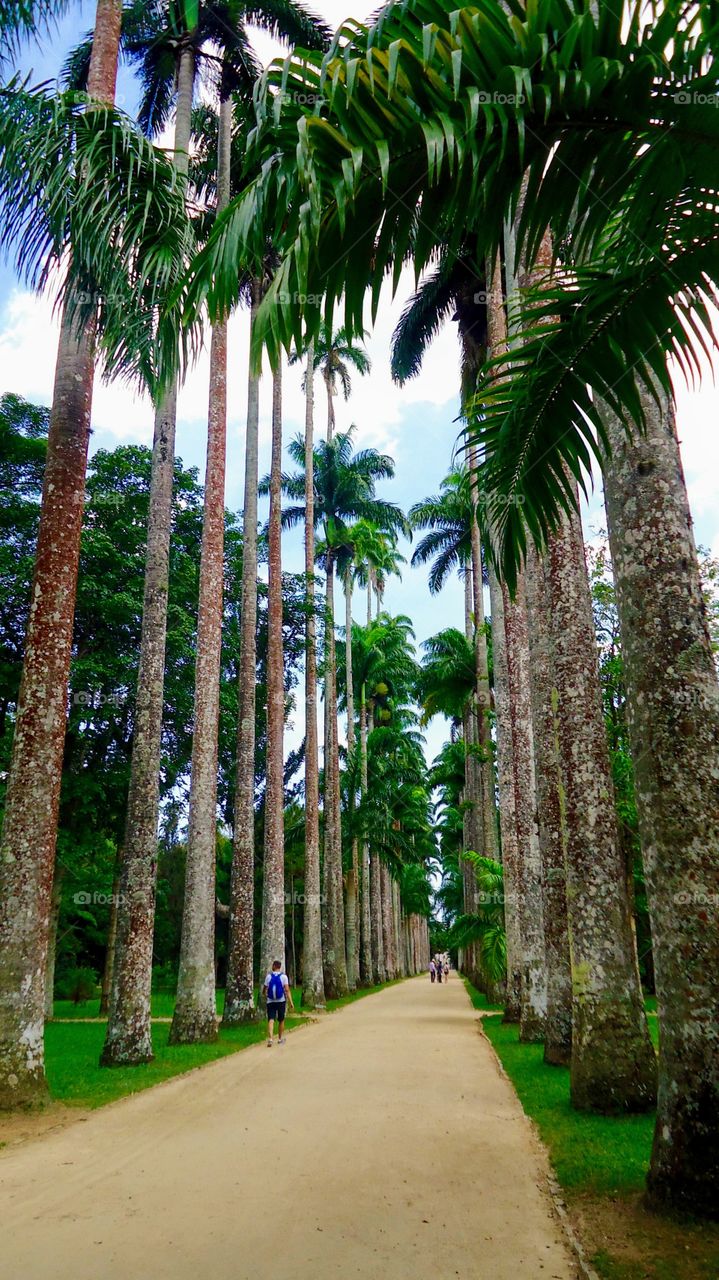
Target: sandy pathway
(381,1142)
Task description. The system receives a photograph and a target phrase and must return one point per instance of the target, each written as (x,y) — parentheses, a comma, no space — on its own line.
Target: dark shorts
(276,1009)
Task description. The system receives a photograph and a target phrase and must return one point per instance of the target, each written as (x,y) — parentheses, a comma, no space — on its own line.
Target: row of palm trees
(427,103)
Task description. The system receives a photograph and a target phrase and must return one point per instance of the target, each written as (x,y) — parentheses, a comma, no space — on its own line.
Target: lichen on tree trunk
(673,717)
(239,990)
(613,1065)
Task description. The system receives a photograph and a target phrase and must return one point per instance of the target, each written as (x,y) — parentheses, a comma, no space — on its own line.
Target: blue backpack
(275,990)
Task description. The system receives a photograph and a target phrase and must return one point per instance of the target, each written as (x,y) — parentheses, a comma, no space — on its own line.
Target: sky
(416,424)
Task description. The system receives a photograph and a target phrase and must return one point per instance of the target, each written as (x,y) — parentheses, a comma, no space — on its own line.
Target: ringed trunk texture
(488,809)
(507,807)
(195,1019)
(613,1067)
(558,1024)
(239,990)
(273,881)
(27,849)
(313,991)
(673,713)
(533,986)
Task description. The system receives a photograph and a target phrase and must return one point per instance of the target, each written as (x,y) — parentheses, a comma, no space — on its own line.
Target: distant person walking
(277,991)
(439,970)
(432,971)
(446,971)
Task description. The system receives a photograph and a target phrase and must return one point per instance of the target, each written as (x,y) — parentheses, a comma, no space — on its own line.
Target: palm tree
(313,992)
(334,355)
(344,489)
(33,789)
(273,877)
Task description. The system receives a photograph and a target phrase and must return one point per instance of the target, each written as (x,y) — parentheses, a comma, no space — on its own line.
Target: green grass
(72,1050)
(602,1155)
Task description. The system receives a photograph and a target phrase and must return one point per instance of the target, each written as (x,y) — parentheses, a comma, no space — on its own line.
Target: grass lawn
(72,1050)
(601,1162)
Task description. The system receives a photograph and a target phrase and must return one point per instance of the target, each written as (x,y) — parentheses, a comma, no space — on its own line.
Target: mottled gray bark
(673,715)
(533,977)
(32,797)
(486,789)
(195,1020)
(613,1065)
(507,808)
(352,879)
(386,896)
(313,991)
(335,961)
(545,732)
(239,989)
(273,880)
(379,973)
(365,897)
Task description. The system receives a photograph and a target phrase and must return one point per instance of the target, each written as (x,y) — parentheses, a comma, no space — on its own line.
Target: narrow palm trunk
(379,973)
(335,956)
(273,898)
(613,1064)
(386,893)
(129,1032)
(351,895)
(109,966)
(239,991)
(533,986)
(27,851)
(507,807)
(545,731)
(194,1019)
(472,818)
(365,900)
(313,991)
(673,706)
(488,807)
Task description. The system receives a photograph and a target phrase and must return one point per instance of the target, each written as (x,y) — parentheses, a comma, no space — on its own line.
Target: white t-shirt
(285,983)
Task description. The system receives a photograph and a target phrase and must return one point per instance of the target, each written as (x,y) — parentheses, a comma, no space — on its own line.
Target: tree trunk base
(21,1090)
(193,1026)
(614,1066)
(124,1055)
(557,1054)
(239,1013)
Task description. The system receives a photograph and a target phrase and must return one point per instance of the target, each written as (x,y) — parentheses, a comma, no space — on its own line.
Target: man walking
(277,991)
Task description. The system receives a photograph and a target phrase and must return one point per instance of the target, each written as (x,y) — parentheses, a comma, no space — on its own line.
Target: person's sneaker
(281,1040)
(270,1044)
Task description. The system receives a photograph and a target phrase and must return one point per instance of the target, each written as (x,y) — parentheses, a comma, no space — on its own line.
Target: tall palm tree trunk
(313,991)
(239,990)
(613,1064)
(352,891)
(488,806)
(533,985)
(366,970)
(386,894)
(32,798)
(109,966)
(507,808)
(472,819)
(273,882)
(194,1019)
(379,972)
(673,706)
(545,732)
(129,1032)
(335,957)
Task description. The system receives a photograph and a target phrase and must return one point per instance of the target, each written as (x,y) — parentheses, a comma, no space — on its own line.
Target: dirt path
(381,1143)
